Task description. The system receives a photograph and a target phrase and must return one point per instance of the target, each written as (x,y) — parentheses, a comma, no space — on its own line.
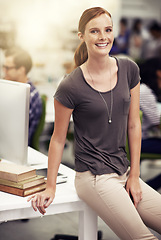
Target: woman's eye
(109,30)
(94,31)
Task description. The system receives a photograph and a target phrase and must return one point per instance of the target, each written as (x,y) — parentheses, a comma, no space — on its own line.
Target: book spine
(11,190)
(24,184)
(26,175)
(17,177)
(30,191)
(22,192)
(9,176)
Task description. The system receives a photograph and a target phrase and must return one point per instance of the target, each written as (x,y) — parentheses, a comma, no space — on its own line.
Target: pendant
(109,121)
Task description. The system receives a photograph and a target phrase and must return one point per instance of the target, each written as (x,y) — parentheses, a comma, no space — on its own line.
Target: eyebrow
(98,28)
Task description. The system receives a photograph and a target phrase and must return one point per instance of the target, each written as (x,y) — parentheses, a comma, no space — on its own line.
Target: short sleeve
(133,74)
(65,93)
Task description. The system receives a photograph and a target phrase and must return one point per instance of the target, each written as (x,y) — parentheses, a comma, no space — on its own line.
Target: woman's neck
(98,65)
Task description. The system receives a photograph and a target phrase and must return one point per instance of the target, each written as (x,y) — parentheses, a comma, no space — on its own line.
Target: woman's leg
(107,196)
(150,207)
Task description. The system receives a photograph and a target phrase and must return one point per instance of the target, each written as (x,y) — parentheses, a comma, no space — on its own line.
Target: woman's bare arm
(42,200)
(134,139)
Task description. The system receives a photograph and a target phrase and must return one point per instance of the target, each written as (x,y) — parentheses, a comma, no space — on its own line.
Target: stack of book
(20,180)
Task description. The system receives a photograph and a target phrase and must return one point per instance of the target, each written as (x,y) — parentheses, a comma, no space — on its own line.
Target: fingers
(33,200)
(46,205)
(133,189)
(41,204)
(29,198)
(40,201)
(137,197)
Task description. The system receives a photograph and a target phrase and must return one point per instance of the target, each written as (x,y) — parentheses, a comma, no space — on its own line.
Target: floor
(44,228)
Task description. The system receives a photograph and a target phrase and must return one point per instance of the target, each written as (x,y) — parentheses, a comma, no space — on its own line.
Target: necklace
(111,97)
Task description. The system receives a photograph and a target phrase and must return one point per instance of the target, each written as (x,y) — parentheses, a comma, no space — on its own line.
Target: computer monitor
(14,121)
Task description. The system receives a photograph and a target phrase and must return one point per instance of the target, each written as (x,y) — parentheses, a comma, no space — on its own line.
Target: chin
(105,53)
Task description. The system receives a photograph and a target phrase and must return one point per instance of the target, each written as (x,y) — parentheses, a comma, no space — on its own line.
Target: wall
(48,28)
(145,9)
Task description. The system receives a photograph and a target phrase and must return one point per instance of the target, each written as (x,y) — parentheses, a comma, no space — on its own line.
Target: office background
(48,30)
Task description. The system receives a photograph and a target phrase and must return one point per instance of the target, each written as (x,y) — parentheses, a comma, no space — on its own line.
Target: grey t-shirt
(99,146)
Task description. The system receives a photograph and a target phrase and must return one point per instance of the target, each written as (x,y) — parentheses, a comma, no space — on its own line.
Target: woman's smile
(101,45)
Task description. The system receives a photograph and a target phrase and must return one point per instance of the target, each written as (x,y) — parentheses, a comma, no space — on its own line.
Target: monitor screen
(14,121)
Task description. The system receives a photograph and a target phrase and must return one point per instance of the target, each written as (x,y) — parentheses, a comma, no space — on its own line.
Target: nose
(102,36)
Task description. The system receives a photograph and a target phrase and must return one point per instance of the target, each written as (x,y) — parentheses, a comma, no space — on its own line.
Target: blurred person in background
(17,65)
(121,42)
(150,72)
(136,40)
(150,89)
(152,48)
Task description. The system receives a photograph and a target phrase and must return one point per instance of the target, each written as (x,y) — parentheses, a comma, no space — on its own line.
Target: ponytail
(80,55)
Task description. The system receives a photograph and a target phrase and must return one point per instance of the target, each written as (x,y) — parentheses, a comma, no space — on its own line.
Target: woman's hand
(134,190)
(42,200)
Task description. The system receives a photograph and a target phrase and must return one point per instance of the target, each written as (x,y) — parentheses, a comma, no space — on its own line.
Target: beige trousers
(106,194)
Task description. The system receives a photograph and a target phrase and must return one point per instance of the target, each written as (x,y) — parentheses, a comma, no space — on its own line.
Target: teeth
(101,44)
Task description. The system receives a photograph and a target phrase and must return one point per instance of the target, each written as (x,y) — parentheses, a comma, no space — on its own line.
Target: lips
(101,44)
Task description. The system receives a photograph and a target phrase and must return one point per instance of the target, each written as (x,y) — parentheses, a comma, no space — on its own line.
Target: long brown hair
(81,54)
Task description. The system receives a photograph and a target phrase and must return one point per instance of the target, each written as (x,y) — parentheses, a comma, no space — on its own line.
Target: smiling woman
(102,94)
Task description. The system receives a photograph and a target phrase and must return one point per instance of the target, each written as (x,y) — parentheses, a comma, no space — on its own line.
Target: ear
(22,70)
(80,35)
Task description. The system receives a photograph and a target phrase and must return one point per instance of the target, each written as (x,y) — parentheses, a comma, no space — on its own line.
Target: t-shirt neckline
(96,89)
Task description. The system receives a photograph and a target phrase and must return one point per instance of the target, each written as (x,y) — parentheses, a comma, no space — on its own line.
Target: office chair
(40,126)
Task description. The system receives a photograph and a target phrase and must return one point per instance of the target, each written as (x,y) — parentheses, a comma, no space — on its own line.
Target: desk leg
(87,224)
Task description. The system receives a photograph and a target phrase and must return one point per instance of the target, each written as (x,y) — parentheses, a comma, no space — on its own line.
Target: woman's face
(98,36)
(10,70)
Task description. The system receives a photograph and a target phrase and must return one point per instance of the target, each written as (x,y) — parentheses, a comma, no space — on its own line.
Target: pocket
(84,179)
(126,106)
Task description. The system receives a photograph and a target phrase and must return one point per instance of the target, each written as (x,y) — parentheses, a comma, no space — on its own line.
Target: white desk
(13,207)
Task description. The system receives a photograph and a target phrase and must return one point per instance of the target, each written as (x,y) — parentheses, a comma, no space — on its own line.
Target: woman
(98,94)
